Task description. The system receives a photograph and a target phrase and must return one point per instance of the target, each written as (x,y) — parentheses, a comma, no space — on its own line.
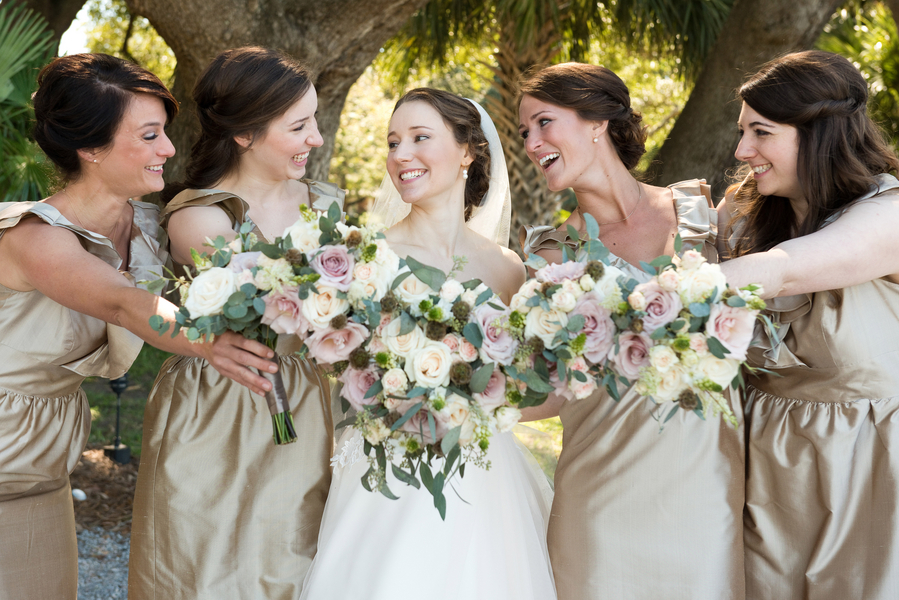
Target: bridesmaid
(220,511)
(70,307)
(815,221)
(637,513)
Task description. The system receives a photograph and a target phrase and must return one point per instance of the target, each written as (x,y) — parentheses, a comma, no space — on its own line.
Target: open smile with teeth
(155,168)
(761,169)
(298,158)
(412,174)
(549,159)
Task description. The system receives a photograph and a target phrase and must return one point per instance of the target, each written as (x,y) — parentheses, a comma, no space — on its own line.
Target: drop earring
(464,173)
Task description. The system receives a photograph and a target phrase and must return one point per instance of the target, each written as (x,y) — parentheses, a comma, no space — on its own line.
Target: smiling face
(132,165)
(283,151)
(772,150)
(557,140)
(424,160)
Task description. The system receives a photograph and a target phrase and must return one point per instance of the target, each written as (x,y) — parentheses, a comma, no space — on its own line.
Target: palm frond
(24,37)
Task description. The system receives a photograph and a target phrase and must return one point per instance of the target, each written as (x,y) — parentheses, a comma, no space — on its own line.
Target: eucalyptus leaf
(375,389)
(716,347)
(334,212)
(408,414)
(671,413)
(472,333)
(385,491)
(480,378)
(700,309)
(648,268)
(406,478)
(407,323)
(451,439)
(483,296)
(736,302)
(427,478)
(678,243)
(535,262)
(430,276)
(399,279)
(592,226)
(440,504)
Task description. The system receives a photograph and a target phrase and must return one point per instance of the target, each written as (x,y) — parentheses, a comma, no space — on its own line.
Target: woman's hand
(234,356)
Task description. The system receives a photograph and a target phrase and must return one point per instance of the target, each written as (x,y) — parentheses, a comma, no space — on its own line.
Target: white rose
(668,280)
(320,308)
(469,296)
(372,280)
(637,301)
(404,344)
(209,292)
(525,293)
(662,358)
(671,383)
(692,260)
(563,301)
(544,324)
(429,366)
(507,417)
(412,290)
(235,245)
(697,286)
(607,288)
(719,370)
(304,235)
(376,432)
(450,290)
(456,411)
(689,358)
(586,282)
(394,381)
(385,257)
(572,287)
(392,403)
(466,434)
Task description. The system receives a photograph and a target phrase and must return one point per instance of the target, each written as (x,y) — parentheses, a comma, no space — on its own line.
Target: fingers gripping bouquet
(680,338)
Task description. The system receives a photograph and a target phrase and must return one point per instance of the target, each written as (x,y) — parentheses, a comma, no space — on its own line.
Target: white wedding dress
(492,545)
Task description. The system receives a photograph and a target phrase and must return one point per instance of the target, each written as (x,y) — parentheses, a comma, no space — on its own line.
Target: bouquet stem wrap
(283,430)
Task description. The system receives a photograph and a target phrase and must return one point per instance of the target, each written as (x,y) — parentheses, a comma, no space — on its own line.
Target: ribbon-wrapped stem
(283,430)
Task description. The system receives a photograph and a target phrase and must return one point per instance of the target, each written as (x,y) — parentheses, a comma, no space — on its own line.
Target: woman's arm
(547,410)
(860,246)
(52,261)
(189,228)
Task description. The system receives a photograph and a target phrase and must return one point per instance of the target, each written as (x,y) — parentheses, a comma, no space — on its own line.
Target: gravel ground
(102,565)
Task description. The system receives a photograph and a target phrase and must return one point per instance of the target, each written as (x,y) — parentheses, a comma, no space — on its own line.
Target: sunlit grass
(544,440)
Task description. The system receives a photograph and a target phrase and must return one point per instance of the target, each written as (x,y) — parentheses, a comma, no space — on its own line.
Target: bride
(455,201)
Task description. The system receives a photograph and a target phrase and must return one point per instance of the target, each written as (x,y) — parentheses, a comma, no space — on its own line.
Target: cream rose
(719,370)
(412,290)
(304,235)
(507,418)
(671,383)
(429,366)
(209,292)
(692,260)
(450,290)
(668,280)
(456,411)
(405,344)
(394,381)
(662,358)
(320,308)
(525,293)
(544,324)
(607,287)
(697,286)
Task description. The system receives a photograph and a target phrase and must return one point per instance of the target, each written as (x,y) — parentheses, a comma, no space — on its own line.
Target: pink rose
(467,351)
(598,327)
(335,265)
(451,341)
(558,272)
(494,395)
(581,389)
(633,353)
(418,425)
(559,383)
(284,312)
(498,345)
(243,261)
(356,384)
(733,327)
(333,345)
(662,307)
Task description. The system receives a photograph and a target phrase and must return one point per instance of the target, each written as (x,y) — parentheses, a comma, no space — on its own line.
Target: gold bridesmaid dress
(46,351)
(220,511)
(640,514)
(822,487)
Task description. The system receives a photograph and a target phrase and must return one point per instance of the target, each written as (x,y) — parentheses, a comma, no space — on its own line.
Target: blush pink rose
(284,312)
(467,351)
(733,327)
(243,261)
(335,265)
(355,384)
(494,395)
(598,327)
(418,425)
(662,306)
(451,341)
(633,353)
(560,385)
(498,345)
(581,389)
(333,345)
(559,272)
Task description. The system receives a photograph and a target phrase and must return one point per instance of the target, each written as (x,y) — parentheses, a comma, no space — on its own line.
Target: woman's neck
(92,206)
(255,190)
(435,224)
(610,194)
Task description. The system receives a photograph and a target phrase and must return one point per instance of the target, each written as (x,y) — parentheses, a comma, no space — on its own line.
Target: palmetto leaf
(24,37)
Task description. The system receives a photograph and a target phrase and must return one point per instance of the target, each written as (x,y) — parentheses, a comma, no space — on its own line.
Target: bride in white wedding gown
(446,160)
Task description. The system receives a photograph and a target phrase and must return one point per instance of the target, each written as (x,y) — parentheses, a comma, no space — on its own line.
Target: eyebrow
(754,123)
(389,133)
(533,116)
(151,124)
(298,121)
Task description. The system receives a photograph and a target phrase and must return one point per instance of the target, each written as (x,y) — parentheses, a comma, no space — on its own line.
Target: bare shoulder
(202,218)
(33,249)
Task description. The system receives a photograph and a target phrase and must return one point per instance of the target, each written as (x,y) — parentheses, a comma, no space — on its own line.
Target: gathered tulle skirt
(492,545)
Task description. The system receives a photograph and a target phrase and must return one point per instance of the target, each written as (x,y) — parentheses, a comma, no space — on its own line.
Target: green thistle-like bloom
(389,303)
(517,320)
(460,373)
(412,445)
(353,239)
(369,253)
(360,358)
(461,310)
(595,269)
(756,303)
(577,344)
(513,397)
(435,314)
(637,325)
(438,404)
(681,343)
(424,306)
(294,257)
(483,444)
(688,400)
(338,321)
(435,330)
(383,359)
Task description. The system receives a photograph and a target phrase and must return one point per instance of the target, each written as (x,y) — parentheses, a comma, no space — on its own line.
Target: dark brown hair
(465,122)
(596,94)
(841,150)
(239,93)
(81,100)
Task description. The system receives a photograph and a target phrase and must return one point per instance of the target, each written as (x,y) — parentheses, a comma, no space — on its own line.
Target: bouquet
(679,338)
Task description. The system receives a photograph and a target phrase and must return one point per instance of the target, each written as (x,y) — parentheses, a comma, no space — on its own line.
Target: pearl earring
(464,173)
(596,139)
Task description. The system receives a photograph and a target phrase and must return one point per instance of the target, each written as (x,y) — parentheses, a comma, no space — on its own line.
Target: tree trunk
(58,13)
(704,138)
(336,39)
(532,202)
(893,5)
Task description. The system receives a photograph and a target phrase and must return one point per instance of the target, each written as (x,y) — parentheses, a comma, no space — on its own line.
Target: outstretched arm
(860,246)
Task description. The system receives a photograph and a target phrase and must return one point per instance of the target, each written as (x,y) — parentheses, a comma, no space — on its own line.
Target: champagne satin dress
(640,514)
(46,351)
(822,486)
(220,511)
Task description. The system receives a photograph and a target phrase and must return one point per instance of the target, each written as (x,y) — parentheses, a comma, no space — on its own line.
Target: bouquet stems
(283,430)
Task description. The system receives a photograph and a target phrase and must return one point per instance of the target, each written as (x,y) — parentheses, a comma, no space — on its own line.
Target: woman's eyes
(541,122)
(300,128)
(417,138)
(151,136)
